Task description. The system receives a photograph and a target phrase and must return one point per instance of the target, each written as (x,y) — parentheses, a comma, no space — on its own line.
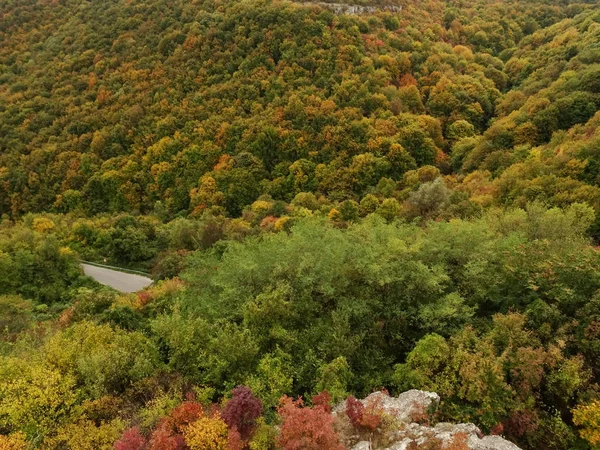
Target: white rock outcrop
(343,8)
(402,408)
(414,403)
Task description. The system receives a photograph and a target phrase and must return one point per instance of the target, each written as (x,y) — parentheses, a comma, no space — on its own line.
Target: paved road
(121,281)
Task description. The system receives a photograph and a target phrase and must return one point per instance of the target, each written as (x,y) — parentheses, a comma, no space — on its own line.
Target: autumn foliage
(132,439)
(165,437)
(186,413)
(587,417)
(242,411)
(304,428)
(363,418)
(322,399)
(325,201)
(16,441)
(234,440)
(206,433)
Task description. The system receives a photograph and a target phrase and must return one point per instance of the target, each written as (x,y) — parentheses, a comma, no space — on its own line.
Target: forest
(329,205)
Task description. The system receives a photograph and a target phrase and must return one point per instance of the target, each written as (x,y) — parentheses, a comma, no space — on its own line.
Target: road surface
(121,281)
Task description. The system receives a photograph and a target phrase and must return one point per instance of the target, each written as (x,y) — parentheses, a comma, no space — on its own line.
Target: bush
(364,419)
(35,399)
(264,436)
(588,418)
(164,437)
(186,413)
(16,315)
(131,439)
(207,433)
(306,428)
(102,359)
(322,399)
(242,411)
(15,441)
(86,435)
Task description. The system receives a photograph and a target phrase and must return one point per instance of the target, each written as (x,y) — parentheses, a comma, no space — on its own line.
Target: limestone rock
(343,8)
(492,443)
(411,405)
(403,408)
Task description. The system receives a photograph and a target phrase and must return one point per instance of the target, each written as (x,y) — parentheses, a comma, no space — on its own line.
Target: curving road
(121,281)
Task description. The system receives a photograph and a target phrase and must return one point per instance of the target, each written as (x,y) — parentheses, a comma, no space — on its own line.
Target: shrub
(156,409)
(459,442)
(242,411)
(102,359)
(322,399)
(15,441)
(521,423)
(367,419)
(86,435)
(35,399)
(17,315)
(164,437)
(264,436)
(168,433)
(334,378)
(354,410)
(186,413)
(102,409)
(349,210)
(588,418)
(306,428)
(234,440)
(389,209)
(429,199)
(206,433)
(131,439)
(429,444)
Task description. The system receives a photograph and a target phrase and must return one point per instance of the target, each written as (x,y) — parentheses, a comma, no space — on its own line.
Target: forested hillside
(331,204)
(110,107)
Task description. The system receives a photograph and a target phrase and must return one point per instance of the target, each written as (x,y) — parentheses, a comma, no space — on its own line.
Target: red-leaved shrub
(354,410)
(498,429)
(306,428)
(164,437)
(234,440)
(132,439)
(322,399)
(418,414)
(186,413)
(521,423)
(144,298)
(168,433)
(362,418)
(242,411)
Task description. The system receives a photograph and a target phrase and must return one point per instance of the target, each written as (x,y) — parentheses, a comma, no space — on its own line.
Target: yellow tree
(206,433)
(588,418)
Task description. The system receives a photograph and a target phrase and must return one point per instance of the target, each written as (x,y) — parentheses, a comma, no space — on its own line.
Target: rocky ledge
(343,8)
(408,428)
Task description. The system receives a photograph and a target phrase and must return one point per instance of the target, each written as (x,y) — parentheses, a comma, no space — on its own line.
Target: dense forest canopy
(199,105)
(329,203)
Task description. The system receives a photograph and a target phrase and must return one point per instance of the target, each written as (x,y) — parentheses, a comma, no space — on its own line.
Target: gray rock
(491,443)
(446,431)
(402,445)
(402,410)
(343,8)
(406,405)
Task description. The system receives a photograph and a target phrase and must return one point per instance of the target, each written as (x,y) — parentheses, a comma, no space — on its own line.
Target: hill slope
(329,204)
(121,105)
